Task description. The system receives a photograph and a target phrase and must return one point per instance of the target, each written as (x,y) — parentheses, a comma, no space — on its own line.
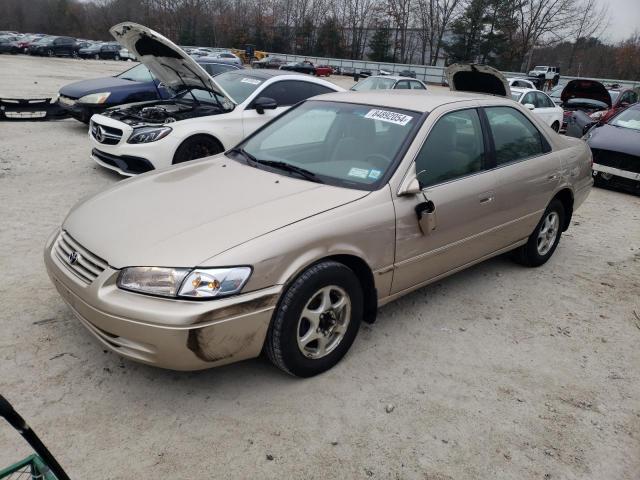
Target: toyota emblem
(73,257)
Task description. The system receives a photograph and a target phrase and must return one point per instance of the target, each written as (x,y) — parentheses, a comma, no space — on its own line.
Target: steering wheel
(377,160)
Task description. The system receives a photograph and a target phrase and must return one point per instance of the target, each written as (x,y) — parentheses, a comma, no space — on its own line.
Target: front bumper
(172,334)
(126,165)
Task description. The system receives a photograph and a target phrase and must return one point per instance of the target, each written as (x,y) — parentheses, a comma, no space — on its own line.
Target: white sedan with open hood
(204,117)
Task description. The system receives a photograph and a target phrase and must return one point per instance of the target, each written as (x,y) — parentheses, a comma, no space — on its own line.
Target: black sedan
(300,67)
(8,46)
(615,145)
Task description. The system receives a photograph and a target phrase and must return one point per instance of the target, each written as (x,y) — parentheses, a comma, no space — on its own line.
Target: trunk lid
(477,78)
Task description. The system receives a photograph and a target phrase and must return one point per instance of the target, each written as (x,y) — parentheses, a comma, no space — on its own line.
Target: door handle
(486,197)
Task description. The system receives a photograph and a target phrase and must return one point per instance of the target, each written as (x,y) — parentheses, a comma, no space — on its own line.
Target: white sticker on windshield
(358,172)
(252,81)
(387,116)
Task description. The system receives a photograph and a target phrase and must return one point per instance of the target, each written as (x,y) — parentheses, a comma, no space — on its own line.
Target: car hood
(168,62)
(95,85)
(589,89)
(615,139)
(477,78)
(182,216)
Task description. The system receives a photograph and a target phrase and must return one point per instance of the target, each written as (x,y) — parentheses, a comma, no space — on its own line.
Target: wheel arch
(193,135)
(566,198)
(362,270)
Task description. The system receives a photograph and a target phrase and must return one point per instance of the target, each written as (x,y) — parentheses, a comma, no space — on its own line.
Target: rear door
(527,171)
(452,170)
(286,93)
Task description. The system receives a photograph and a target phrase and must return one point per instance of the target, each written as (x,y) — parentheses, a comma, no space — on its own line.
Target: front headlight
(199,283)
(148,134)
(95,98)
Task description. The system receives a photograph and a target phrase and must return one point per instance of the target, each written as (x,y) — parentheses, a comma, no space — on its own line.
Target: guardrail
(426,73)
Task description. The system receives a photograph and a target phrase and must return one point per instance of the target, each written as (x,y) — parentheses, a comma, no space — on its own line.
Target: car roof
(416,100)
(266,73)
(392,77)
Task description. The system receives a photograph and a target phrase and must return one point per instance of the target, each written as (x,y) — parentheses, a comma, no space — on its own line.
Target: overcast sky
(625,19)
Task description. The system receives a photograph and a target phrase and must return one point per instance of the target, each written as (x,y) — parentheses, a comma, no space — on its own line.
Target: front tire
(198,146)
(316,321)
(117,57)
(544,239)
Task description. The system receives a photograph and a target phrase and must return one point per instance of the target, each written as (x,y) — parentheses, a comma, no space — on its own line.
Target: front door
(461,193)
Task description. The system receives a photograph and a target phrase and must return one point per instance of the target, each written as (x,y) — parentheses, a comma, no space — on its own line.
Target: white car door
(552,113)
(286,93)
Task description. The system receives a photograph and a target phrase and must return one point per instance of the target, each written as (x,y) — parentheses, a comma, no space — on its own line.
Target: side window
(453,149)
(633,97)
(402,85)
(417,86)
(514,136)
(529,98)
(545,101)
(290,92)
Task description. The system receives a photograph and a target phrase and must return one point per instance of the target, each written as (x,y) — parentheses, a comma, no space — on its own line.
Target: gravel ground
(497,372)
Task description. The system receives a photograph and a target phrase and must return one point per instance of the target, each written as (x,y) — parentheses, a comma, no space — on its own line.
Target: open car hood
(477,78)
(589,89)
(168,62)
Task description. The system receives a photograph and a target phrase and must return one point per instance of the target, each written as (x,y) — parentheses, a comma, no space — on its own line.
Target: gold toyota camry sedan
(285,243)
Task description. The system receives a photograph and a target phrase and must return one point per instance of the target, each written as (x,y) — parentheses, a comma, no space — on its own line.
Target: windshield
(374,83)
(341,144)
(201,95)
(238,85)
(139,73)
(629,118)
(516,95)
(540,68)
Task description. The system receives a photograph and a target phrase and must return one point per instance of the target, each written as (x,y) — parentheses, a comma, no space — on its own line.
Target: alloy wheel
(323,322)
(548,233)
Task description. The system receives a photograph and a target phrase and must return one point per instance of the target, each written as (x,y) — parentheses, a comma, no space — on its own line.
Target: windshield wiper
(247,156)
(303,172)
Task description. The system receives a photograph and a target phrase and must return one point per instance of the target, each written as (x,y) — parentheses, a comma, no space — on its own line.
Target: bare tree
(592,22)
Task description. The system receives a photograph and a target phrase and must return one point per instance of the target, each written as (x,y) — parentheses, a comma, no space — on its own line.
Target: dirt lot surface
(498,372)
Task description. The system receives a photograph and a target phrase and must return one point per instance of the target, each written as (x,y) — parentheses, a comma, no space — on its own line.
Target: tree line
(508,34)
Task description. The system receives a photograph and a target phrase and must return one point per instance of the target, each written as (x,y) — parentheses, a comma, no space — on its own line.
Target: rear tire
(50,53)
(96,57)
(117,57)
(197,146)
(544,239)
(316,320)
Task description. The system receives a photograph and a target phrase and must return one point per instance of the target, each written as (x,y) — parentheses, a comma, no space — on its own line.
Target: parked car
(288,241)
(541,71)
(54,47)
(9,46)
(268,62)
(388,82)
(300,67)
(407,73)
(35,44)
(522,83)
(323,71)
(621,98)
(204,117)
(126,55)
(101,51)
(84,98)
(213,67)
(581,98)
(540,104)
(225,57)
(616,150)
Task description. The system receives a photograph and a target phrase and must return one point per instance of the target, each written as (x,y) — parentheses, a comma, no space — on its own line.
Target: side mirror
(264,103)
(530,106)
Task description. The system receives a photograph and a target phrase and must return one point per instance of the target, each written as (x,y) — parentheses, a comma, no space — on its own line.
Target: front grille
(623,161)
(104,134)
(84,264)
